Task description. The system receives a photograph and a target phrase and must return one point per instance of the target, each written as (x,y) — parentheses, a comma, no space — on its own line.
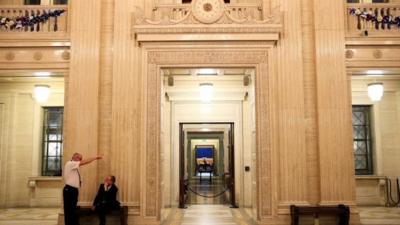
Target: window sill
(45,178)
(370,177)
(33,181)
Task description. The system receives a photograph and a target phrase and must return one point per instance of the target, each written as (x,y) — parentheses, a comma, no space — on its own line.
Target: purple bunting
(28,21)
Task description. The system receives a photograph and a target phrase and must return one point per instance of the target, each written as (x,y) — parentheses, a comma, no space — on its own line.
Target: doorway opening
(208,137)
(207,174)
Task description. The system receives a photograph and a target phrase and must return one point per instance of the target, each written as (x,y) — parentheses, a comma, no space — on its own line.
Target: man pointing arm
(72,179)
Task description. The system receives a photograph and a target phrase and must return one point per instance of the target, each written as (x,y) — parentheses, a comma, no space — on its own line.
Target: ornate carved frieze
(211,17)
(35,57)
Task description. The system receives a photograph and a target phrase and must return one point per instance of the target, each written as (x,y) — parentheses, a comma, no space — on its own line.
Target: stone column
(310,101)
(290,94)
(82,96)
(105,88)
(337,181)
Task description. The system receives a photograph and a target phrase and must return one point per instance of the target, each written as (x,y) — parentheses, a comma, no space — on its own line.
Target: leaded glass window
(45,2)
(362,141)
(32,2)
(52,141)
(60,2)
(366,1)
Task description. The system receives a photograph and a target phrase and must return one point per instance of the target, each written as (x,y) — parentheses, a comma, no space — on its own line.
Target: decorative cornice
(195,21)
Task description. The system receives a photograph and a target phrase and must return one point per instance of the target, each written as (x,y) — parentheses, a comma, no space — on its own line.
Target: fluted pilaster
(334,110)
(81,128)
(105,89)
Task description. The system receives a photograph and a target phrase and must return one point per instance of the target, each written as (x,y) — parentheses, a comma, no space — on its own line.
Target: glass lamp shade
(41,93)
(375,91)
(206,91)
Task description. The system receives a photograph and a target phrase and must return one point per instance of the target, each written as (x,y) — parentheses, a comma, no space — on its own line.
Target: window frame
(45,143)
(362,1)
(368,111)
(190,1)
(47,2)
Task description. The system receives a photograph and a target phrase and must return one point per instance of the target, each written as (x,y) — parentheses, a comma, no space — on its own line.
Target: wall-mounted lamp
(42,74)
(375,91)
(375,73)
(206,91)
(207,72)
(41,93)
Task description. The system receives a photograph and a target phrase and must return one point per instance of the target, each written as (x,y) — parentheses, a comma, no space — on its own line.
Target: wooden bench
(122,213)
(341,212)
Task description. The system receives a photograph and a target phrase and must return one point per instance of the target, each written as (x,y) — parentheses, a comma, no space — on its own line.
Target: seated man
(106,199)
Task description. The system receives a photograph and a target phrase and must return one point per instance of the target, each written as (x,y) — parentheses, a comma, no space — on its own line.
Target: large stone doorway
(260,57)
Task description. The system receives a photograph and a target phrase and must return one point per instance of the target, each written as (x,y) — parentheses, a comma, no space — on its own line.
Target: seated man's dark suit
(106,201)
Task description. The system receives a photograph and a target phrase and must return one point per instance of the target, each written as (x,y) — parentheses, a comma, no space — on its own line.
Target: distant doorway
(206,164)
(206,114)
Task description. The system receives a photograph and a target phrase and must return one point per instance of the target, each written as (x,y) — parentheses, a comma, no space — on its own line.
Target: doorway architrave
(258,55)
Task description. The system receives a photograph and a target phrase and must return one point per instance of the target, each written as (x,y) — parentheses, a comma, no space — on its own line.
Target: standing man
(72,181)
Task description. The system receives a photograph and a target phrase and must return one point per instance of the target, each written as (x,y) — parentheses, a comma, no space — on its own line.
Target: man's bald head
(76,156)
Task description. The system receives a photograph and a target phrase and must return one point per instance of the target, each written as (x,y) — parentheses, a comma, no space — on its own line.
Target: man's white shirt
(71,174)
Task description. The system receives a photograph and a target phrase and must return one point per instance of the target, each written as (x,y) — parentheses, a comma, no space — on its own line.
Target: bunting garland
(379,19)
(33,22)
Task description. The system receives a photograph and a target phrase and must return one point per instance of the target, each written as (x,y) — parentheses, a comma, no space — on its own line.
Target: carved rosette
(208,11)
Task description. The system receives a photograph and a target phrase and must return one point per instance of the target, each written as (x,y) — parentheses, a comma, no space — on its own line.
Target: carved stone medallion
(38,56)
(208,11)
(377,54)
(349,54)
(10,56)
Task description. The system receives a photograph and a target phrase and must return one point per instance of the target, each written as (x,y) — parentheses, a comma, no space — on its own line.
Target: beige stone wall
(386,138)
(249,146)
(313,134)
(385,122)
(21,2)
(11,2)
(21,137)
(304,98)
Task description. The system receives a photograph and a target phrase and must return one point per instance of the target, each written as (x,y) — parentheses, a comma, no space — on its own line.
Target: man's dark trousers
(70,195)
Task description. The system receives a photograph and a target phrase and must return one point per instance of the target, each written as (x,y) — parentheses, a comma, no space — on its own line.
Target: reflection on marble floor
(207,188)
(193,215)
(206,214)
(380,215)
(29,216)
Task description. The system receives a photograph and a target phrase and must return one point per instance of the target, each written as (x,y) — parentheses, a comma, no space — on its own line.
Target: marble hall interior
(220,112)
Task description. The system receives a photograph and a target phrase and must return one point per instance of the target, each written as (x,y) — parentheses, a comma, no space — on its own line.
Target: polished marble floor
(29,216)
(379,216)
(193,215)
(207,192)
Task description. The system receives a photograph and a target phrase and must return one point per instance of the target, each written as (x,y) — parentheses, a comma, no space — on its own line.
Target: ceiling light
(207,72)
(375,91)
(41,93)
(205,109)
(206,91)
(375,73)
(205,129)
(42,74)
